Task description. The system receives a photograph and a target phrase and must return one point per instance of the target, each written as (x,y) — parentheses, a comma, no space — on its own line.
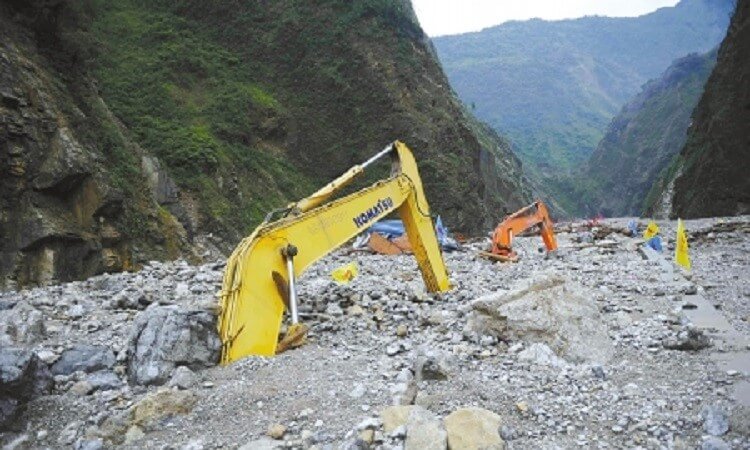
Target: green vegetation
(192,104)
(643,139)
(553,87)
(712,165)
(250,106)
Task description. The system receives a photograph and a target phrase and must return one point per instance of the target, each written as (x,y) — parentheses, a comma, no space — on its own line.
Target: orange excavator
(525,218)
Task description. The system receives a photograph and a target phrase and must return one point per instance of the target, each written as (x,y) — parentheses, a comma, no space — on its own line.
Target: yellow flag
(681,255)
(651,230)
(345,273)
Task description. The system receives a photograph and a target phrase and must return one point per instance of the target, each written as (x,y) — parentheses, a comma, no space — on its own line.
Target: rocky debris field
(604,345)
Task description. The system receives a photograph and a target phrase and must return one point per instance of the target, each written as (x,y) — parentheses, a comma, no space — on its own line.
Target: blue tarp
(391,229)
(655,243)
(633,227)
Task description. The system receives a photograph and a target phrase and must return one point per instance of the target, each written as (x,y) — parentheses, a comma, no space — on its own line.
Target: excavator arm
(535,214)
(259,277)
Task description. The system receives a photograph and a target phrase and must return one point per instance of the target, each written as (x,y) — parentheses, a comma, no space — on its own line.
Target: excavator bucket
(260,277)
(296,336)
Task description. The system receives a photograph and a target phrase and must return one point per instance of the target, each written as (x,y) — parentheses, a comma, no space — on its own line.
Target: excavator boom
(254,295)
(525,218)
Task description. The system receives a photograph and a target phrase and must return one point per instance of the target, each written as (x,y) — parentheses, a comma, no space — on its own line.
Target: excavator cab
(260,277)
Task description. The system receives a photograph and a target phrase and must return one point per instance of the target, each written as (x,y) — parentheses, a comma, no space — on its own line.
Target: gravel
(382,340)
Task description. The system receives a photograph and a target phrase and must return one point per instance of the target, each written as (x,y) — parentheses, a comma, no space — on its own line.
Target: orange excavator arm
(535,214)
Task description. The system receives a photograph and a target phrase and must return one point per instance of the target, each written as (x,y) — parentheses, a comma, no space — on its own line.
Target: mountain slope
(553,87)
(195,118)
(333,82)
(643,138)
(710,174)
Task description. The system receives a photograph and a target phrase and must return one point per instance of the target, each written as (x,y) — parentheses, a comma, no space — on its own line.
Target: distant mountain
(553,87)
(710,175)
(643,138)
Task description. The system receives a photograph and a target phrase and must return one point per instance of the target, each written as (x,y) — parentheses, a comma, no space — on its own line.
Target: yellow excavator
(260,276)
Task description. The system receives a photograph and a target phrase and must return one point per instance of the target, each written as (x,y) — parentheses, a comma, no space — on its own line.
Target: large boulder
(396,416)
(165,337)
(473,428)
(84,358)
(549,310)
(23,376)
(424,431)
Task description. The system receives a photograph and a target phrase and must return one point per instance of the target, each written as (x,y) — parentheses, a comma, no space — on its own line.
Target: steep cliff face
(131,127)
(643,138)
(712,170)
(73,199)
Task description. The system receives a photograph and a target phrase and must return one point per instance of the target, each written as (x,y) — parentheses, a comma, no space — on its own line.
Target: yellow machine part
(251,304)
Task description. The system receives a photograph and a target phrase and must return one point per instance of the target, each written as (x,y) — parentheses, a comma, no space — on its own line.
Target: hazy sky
(439,17)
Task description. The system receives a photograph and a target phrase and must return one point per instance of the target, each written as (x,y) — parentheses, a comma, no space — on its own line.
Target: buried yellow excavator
(259,279)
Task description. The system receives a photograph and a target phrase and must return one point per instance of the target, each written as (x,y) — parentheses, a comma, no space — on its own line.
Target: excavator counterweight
(525,218)
(259,279)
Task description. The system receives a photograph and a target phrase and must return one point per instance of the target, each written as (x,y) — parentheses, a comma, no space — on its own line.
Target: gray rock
(134,434)
(22,324)
(431,366)
(104,380)
(714,443)
(550,310)
(261,444)
(23,376)
(7,304)
(542,355)
(22,442)
(739,421)
(76,311)
(85,358)
(164,337)
(129,300)
(358,391)
(69,434)
(424,431)
(183,378)
(81,388)
(598,372)
(355,444)
(585,237)
(195,444)
(334,309)
(89,444)
(507,433)
(689,339)
(715,420)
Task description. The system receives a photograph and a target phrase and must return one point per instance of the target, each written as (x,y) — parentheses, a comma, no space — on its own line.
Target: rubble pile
(594,347)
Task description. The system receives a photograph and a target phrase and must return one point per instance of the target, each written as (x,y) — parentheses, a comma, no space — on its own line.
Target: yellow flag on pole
(651,230)
(681,255)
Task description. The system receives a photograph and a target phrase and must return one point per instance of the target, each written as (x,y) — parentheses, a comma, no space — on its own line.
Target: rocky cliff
(643,138)
(74,199)
(712,177)
(131,128)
